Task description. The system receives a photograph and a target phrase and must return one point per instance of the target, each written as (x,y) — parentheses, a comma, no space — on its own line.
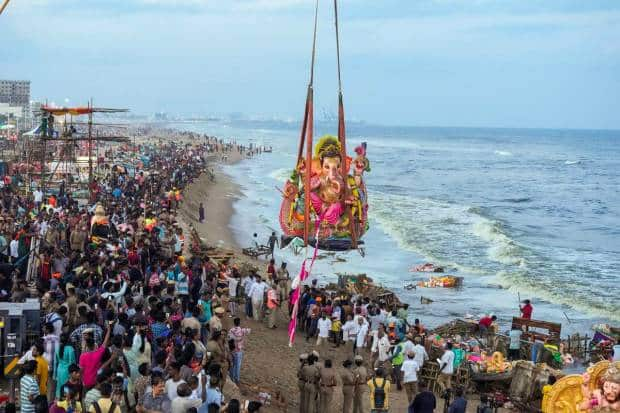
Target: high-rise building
(15,92)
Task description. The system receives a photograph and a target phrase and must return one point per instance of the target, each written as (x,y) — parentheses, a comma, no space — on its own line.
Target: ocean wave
(569,162)
(554,290)
(501,249)
(461,237)
(503,153)
(448,234)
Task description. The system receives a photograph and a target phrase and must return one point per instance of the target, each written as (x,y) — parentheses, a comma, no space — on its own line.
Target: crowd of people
(132,320)
(135,320)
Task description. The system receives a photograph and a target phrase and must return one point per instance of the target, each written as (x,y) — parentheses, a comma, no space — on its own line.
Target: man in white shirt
(381,350)
(247,284)
(446,368)
(257,294)
(183,402)
(408,344)
(232,293)
(324,325)
(420,352)
(349,331)
(174,371)
(410,375)
(360,338)
(38,198)
(14,248)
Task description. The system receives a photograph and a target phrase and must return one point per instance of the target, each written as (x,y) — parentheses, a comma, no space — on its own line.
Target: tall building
(16,94)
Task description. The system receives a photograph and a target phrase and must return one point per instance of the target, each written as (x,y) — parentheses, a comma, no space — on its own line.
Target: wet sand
(218,197)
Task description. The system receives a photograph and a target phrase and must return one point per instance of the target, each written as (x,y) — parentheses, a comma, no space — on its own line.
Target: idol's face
(611,391)
(331,167)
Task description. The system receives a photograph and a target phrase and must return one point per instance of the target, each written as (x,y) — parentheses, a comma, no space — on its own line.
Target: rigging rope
(337,46)
(316,19)
(307,132)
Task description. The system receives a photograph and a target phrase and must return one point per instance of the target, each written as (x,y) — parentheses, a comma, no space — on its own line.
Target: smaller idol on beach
(338,201)
(602,394)
(99,225)
(595,391)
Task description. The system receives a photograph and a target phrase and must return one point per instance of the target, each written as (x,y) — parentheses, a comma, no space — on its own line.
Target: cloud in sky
(426,62)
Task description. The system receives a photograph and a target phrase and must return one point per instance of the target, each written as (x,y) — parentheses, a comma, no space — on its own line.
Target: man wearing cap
(361,376)
(310,375)
(283,278)
(215,323)
(328,382)
(303,359)
(348,385)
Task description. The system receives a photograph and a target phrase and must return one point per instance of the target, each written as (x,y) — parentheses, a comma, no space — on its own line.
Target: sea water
(518,213)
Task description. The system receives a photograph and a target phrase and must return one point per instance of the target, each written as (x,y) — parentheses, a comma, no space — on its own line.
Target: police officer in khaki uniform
(310,374)
(348,384)
(327,383)
(361,377)
(303,359)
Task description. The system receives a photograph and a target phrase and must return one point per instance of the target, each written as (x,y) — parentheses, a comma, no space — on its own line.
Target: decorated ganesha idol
(597,390)
(602,394)
(334,199)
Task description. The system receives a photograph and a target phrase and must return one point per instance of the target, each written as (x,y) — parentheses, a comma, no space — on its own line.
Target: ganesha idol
(99,225)
(335,199)
(597,390)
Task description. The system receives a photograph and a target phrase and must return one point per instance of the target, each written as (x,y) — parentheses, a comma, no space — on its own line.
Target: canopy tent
(35,132)
(67,111)
(84,110)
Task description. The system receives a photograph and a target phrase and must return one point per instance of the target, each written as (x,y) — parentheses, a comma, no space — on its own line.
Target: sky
(495,63)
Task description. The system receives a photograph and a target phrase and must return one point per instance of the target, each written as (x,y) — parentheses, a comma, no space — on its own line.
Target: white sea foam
(503,153)
(501,249)
(462,237)
(440,231)
(547,290)
(569,162)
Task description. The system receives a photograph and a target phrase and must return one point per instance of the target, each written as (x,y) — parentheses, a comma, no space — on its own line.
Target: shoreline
(227,191)
(269,364)
(218,197)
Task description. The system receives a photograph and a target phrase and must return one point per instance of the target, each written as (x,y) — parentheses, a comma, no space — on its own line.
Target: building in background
(15,101)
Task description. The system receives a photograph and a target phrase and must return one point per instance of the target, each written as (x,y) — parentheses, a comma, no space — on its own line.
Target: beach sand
(269,364)
(217,197)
